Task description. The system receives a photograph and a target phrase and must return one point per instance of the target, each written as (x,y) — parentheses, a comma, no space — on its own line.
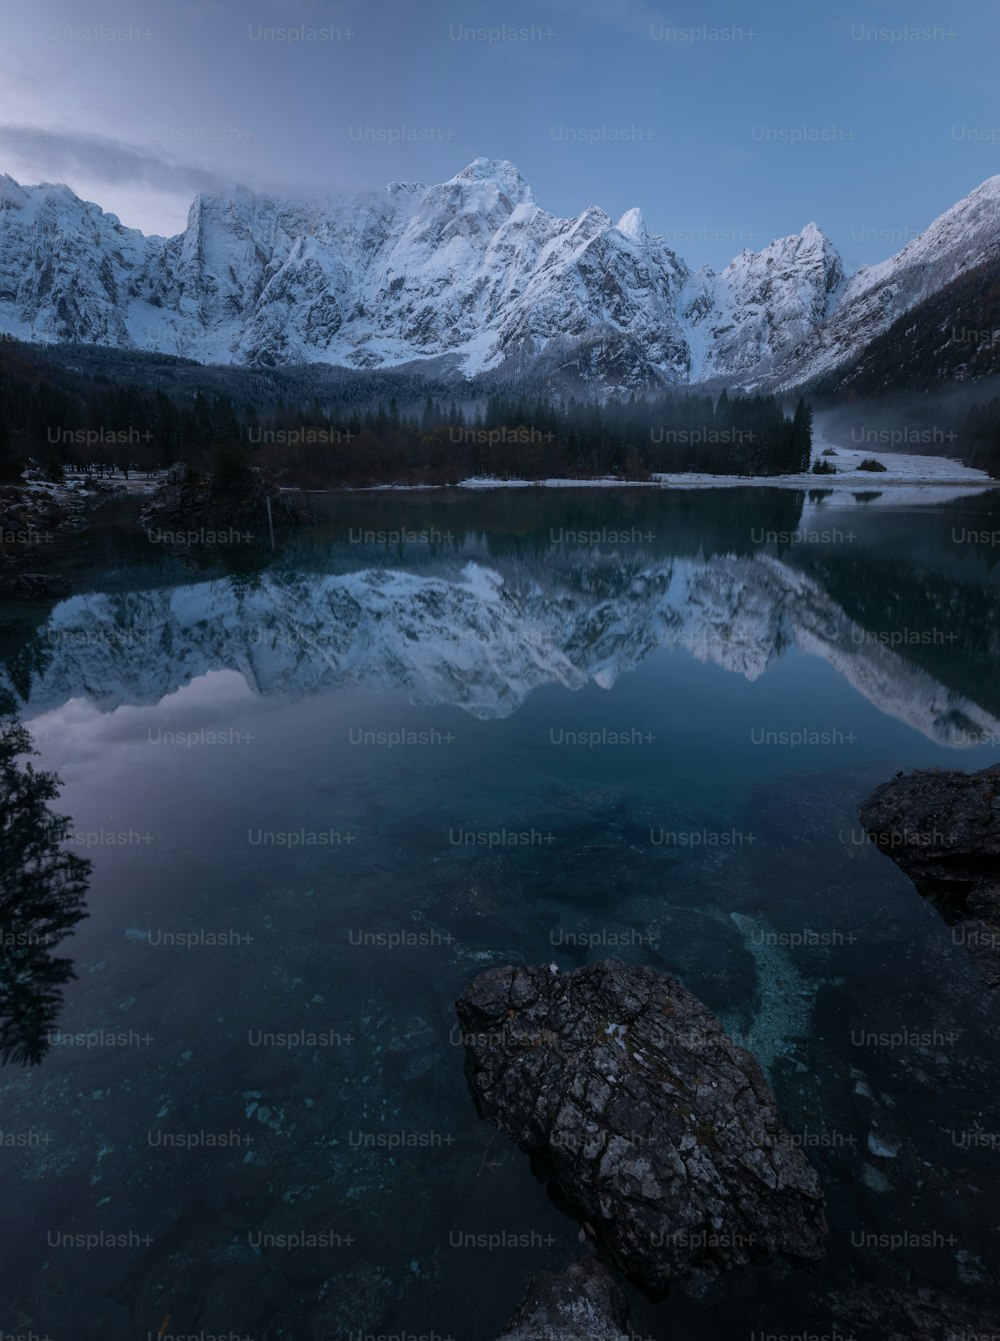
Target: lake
(323,786)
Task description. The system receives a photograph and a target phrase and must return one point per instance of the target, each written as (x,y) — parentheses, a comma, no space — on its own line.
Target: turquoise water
(323,787)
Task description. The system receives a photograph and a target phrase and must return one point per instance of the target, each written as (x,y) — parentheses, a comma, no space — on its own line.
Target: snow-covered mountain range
(476,635)
(472,270)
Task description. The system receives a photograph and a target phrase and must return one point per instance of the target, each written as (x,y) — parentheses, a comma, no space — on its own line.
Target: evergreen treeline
(511,438)
(952,337)
(979,432)
(58,422)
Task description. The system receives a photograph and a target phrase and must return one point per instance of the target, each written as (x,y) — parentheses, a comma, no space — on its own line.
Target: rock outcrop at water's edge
(582,1303)
(649,1120)
(195,508)
(942,828)
(33,518)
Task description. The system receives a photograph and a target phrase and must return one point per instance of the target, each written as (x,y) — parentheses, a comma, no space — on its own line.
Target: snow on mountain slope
(480,638)
(67,269)
(963,237)
(764,304)
(472,267)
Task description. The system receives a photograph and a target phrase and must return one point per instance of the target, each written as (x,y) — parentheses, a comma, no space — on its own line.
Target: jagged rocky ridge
(661,1132)
(471,271)
(948,337)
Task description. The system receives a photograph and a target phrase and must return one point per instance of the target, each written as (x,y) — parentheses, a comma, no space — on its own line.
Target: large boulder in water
(657,1128)
(943,829)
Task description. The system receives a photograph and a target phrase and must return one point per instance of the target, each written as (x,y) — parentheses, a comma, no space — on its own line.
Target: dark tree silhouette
(42,889)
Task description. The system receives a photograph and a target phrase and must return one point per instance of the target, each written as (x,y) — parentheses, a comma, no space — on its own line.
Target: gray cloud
(63,155)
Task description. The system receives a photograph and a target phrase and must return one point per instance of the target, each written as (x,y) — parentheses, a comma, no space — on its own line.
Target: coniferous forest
(379,433)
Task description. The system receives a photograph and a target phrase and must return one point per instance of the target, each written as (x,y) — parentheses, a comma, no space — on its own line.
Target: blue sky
(728,124)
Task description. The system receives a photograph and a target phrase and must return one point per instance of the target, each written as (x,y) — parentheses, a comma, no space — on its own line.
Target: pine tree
(802,421)
(42,889)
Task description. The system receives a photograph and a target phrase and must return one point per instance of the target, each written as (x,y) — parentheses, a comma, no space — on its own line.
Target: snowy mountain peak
(471,268)
(812,235)
(812,241)
(963,237)
(591,222)
(237,200)
(12,193)
(501,172)
(754,316)
(632,225)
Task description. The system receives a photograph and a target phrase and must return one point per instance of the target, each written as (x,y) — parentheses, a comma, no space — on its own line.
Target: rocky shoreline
(34,518)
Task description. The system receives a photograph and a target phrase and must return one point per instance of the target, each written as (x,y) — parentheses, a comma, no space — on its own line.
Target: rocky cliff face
(471,269)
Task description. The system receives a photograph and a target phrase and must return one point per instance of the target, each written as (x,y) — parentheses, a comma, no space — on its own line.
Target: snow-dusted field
(902,467)
(929,477)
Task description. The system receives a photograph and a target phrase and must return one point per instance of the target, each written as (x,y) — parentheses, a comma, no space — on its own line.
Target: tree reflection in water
(42,896)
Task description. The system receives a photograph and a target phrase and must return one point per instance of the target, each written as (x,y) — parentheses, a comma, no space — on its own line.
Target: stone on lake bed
(875,1179)
(582,1303)
(878,1146)
(652,1122)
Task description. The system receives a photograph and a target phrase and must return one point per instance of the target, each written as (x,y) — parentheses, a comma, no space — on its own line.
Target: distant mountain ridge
(468,275)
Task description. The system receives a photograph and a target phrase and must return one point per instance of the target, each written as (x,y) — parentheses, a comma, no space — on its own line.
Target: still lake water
(323,788)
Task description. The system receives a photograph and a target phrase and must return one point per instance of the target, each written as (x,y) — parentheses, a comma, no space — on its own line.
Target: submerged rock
(943,829)
(882,1314)
(657,1128)
(32,586)
(583,1303)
